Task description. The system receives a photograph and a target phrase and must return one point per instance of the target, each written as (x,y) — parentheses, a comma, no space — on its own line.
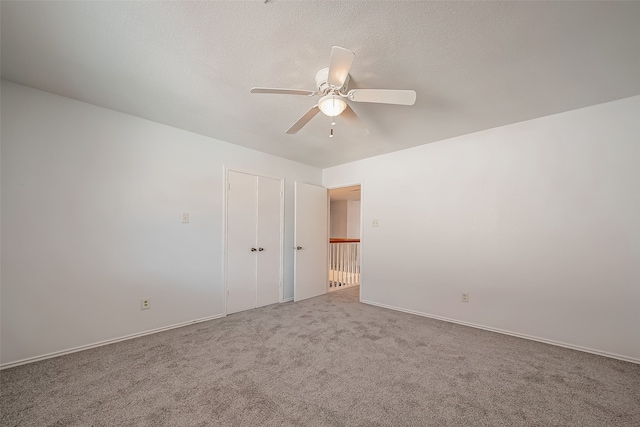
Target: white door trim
(361,184)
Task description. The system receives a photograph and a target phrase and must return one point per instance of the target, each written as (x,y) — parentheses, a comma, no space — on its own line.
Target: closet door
(268,259)
(241,239)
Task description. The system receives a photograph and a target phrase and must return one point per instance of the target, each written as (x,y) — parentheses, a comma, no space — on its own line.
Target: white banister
(344,263)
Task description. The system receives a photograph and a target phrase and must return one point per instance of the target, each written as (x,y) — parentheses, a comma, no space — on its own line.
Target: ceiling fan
(333,86)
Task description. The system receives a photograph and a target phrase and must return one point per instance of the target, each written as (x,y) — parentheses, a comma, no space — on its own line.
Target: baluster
(342,262)
(358,262)
(338,250)
(330,265)
(333,264)
(346,263)
(351,264)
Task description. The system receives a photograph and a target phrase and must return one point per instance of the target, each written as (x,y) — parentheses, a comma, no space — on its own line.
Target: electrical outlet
(145,304)
(465,297)
(375,223)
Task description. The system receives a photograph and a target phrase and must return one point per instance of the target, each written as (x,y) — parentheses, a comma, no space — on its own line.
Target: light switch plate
(185,217)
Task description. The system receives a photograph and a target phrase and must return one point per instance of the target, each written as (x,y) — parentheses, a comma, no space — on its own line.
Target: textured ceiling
(474,65)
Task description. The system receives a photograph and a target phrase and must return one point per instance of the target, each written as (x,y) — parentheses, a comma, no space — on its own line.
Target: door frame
(333,187)
(225,255)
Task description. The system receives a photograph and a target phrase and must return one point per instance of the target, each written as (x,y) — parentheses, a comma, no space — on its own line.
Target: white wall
(91,209)
(338,218)
(345,219)
(353,219)
(539,221)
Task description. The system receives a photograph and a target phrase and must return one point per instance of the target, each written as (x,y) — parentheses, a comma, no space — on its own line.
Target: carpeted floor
(327,361)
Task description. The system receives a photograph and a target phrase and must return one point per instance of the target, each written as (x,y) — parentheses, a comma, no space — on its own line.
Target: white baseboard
(514,334)
(106,342)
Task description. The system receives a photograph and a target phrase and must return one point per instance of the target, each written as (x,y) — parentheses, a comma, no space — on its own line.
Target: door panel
(311,235)
(268,259)
(241,237)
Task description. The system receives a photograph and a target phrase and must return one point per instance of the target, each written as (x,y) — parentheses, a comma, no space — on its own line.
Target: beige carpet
(327,361)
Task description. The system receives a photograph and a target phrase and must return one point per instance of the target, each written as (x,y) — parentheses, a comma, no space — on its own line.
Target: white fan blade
(339,66)
(350,116)
(303,120)
(282,91)
(383,96)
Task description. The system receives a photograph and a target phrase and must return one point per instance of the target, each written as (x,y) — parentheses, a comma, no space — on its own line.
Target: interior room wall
(537,221)
(345,219)
(338,218)
(353,219)
(92,201)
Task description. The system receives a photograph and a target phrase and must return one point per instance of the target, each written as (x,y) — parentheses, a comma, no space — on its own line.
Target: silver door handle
(298,248)
(253,249)
(261,249)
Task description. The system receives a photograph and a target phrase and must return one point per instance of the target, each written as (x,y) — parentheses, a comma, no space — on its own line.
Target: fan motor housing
(323,85)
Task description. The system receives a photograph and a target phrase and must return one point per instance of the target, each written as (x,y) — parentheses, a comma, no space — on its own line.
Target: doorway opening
(344,237)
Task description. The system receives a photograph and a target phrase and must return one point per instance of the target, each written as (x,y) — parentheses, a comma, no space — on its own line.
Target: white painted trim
(254,173)
(225,188)
(514,334)
(106,342)
(328,226)
(361,184)
(333,187)
(295,238)
(282,226)
(361,237)
(287,299)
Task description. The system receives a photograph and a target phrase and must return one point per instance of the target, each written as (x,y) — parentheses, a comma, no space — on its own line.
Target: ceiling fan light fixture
(332,105)
(332,84)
